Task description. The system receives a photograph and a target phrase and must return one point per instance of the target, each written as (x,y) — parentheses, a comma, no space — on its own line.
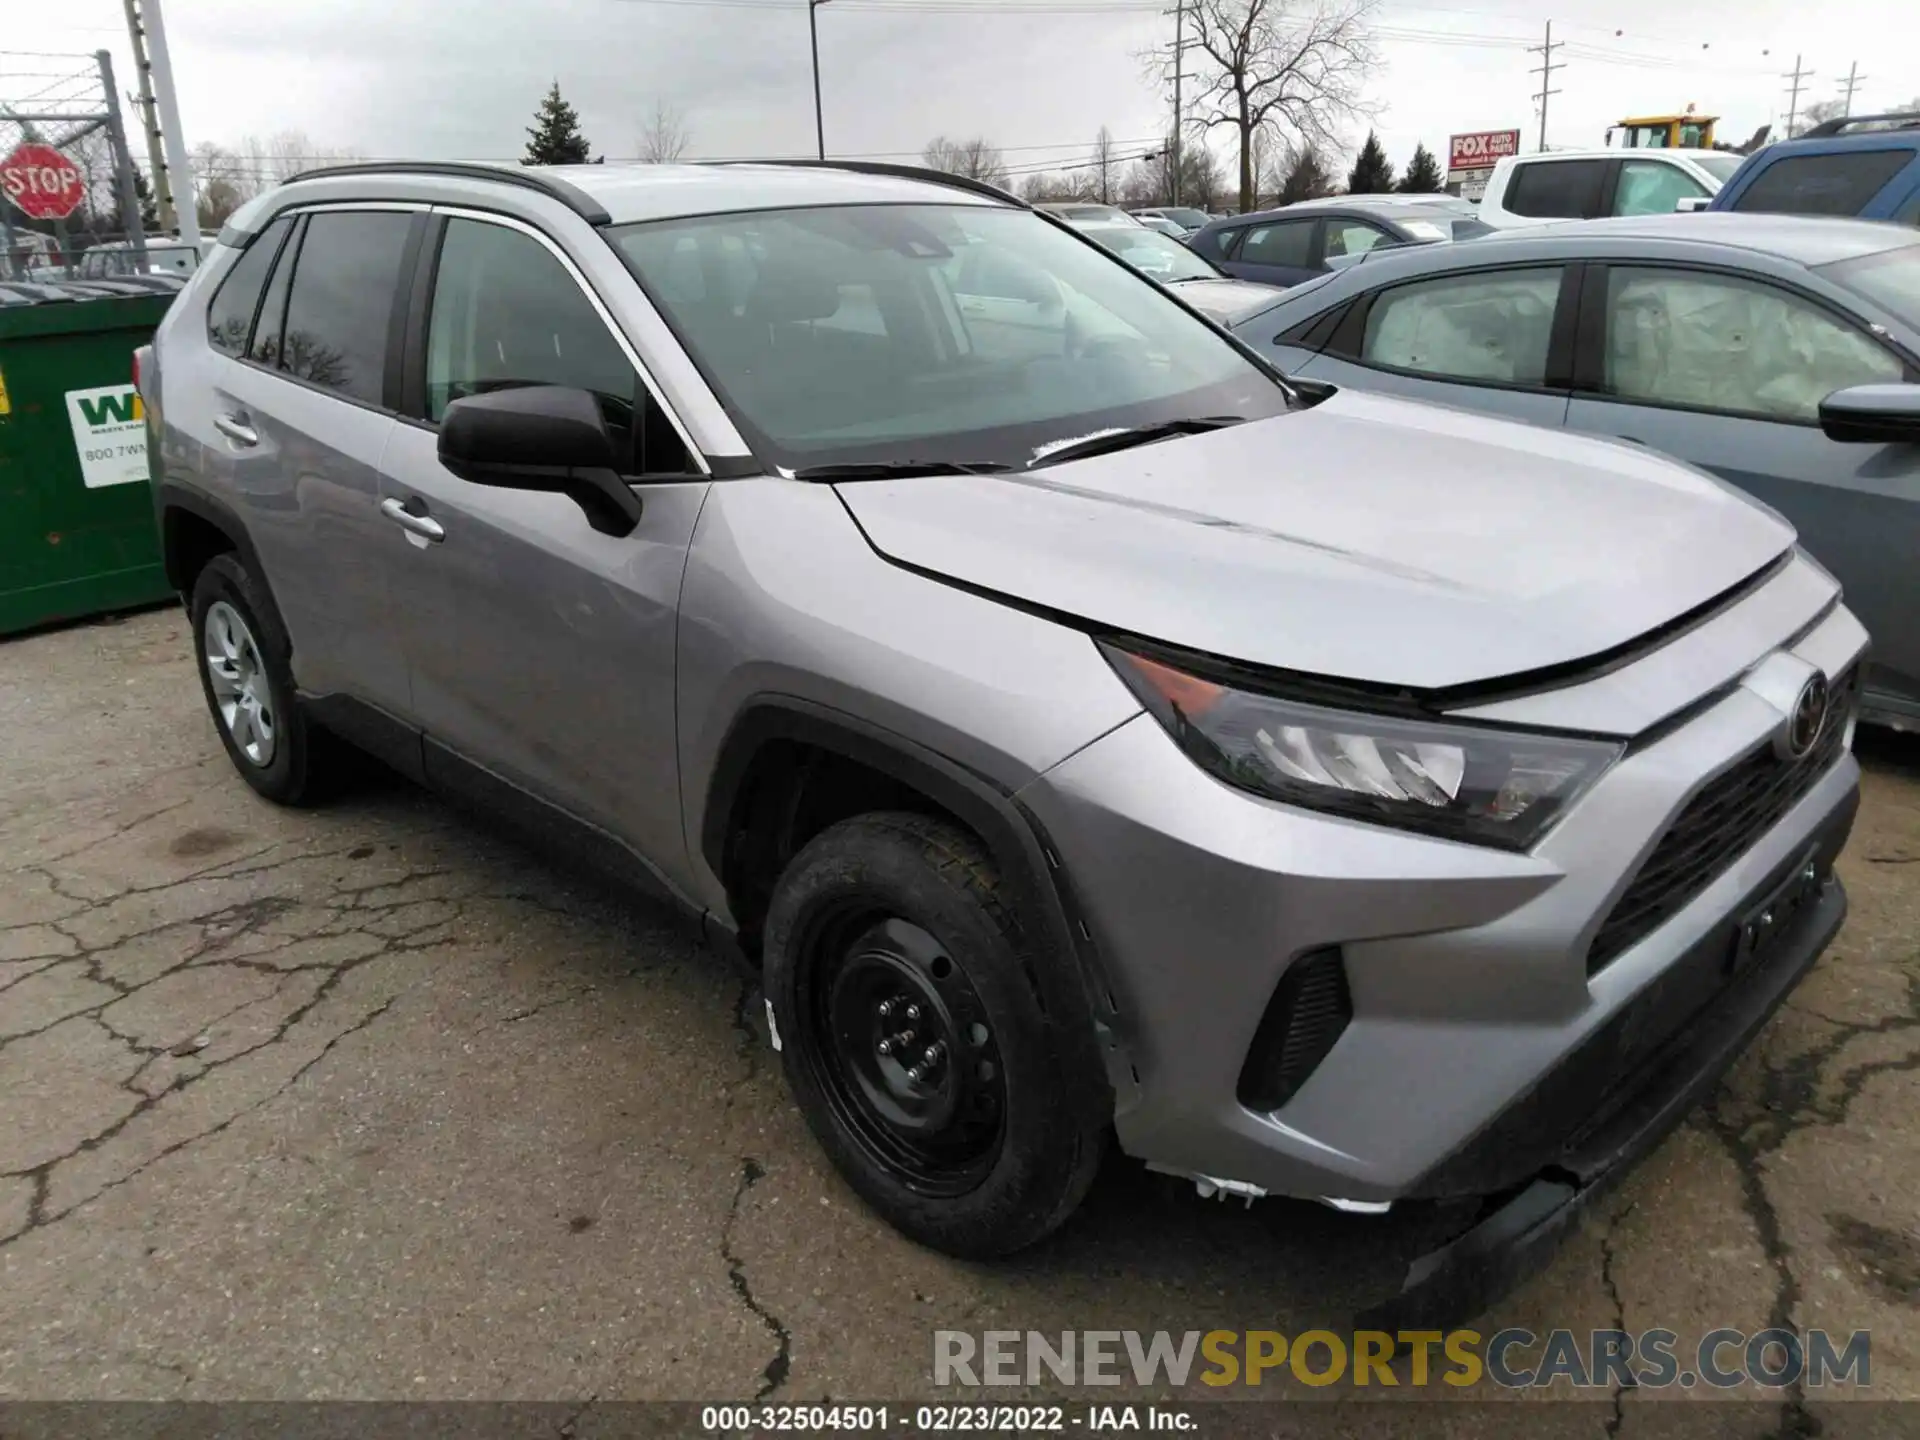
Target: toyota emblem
(1807,719)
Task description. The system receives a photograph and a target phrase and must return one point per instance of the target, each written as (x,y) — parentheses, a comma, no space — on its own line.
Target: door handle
(425,526)
(236,429)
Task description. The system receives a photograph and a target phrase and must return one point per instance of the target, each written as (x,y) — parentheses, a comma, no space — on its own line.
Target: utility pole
(1179,41)
(1854,77)
(125,195)
(150,119)
(813,35)
(167,102)
(1545,71)
(1793,105)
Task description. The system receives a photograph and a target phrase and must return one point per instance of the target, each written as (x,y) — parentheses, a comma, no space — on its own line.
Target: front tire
(914,1041)
(242,659)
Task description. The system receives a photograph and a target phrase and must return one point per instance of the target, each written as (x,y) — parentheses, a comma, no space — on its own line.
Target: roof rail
(1844,123)
(572,196)
(900,172)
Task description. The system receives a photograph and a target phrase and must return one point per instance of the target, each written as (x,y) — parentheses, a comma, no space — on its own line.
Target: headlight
(1466,782)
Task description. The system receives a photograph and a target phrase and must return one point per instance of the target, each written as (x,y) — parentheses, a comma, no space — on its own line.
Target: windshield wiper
(899,469)
(1138,435)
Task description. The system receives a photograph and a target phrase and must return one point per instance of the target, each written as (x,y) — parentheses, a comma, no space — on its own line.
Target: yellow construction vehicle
(1686,131)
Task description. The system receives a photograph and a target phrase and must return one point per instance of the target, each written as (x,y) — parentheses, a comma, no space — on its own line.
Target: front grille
(1718,826)
(1310,1008)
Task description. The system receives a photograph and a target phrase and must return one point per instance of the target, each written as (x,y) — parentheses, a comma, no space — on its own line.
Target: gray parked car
(1083,733)
(1311,237)
(1778,352)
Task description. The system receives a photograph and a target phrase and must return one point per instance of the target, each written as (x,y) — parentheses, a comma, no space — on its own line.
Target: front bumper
(1479,1047)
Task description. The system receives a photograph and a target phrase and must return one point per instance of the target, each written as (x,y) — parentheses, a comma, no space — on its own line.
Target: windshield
(961,333)
(1185,215)
(1890,279)
(1153,253)
(1720,167)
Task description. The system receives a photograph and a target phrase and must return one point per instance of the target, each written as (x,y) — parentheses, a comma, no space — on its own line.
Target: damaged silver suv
(1087,735)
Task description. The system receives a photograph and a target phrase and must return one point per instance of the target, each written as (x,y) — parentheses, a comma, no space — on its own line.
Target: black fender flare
(169,495)
(1067,971)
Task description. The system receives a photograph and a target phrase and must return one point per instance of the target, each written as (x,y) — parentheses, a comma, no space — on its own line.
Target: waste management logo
(110,432)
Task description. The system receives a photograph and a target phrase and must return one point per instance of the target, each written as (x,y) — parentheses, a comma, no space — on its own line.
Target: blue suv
(1841,167)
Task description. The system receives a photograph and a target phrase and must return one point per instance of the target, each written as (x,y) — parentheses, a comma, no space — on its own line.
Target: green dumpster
(77,533)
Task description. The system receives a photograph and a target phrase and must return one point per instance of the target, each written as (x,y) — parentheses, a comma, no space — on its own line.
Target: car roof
(1656,152)
(620,193)
(1802,239)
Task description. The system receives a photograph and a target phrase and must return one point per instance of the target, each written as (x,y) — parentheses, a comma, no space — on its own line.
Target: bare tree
(665,138)
(1294,66)
(1817,113)
(975,159)
(1103,163)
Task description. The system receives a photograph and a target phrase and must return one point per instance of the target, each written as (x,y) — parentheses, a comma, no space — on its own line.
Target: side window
(1467,327)
(1835,184)
(1649,188)
(1288,243)
(230,313)
(1556,189)
(341,300)
(1353,237)
(1720,342)
(506,313)
(264,348)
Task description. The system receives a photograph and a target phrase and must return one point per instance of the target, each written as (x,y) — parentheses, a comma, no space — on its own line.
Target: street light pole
(813,36)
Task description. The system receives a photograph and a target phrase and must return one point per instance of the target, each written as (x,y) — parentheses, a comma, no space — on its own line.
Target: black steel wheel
(904,1049)
(914,1042)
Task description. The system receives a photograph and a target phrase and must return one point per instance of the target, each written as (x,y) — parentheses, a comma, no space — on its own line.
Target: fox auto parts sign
(110,432)
(1482,149)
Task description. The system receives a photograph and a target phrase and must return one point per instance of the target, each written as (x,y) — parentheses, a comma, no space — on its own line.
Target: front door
(1481,341)
(541,651)
(1727,372)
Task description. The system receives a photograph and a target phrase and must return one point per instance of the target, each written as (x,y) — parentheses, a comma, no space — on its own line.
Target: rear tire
(914,1041)
(242,656)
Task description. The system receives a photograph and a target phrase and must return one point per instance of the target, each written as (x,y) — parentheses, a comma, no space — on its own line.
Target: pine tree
(555,138)
(1423,173)
(1372,172)
(1306,178)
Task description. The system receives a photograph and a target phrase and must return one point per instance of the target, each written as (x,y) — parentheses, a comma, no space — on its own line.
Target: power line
(1545,71)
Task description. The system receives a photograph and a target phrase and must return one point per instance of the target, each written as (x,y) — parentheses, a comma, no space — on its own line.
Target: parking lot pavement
(368,1102)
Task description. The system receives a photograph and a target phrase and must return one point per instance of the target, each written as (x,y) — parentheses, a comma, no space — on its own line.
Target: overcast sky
(460,78)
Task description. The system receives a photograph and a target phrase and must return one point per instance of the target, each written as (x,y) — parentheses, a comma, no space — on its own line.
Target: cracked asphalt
(370,1102)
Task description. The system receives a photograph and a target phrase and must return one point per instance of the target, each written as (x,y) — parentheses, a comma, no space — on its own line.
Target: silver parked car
(1781,353)
(1201,283)
(1082,732)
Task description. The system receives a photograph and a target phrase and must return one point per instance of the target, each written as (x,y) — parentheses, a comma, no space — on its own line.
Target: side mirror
(541,437)
(1873,415)
(1691,204)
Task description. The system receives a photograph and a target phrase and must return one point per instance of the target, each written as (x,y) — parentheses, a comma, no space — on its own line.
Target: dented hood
(1366,539)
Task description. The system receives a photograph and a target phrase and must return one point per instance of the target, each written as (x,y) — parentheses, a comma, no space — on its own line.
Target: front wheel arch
(1068,975)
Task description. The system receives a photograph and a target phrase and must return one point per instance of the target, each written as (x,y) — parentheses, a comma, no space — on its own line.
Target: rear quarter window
(1555,189)
(1842,183)
(237,298)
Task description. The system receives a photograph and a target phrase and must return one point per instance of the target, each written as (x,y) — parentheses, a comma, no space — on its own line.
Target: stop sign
(42,182)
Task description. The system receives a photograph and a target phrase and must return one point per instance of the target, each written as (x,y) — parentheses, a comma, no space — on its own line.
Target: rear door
(1558,189)
(540,650)
(1727,371)
(1498,341)
(1275,252)
(300,419)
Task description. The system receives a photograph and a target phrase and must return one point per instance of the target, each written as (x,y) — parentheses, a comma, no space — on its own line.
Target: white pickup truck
(1587,184)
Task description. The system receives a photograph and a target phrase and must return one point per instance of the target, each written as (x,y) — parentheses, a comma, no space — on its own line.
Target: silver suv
(1085,733)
